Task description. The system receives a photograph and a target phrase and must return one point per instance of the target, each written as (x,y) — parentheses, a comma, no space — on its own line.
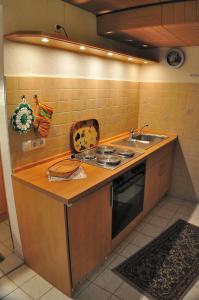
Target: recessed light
(130,58)
(109,32)
(45,40)
(82,48)
(129,40)
(145,46)
(110,53)
(145,62)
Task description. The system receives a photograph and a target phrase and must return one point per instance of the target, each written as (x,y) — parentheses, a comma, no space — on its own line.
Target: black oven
(127,197)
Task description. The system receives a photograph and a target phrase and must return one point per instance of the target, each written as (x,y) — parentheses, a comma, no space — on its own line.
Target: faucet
(136,132)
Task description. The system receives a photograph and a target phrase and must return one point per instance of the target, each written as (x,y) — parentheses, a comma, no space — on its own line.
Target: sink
(142,141)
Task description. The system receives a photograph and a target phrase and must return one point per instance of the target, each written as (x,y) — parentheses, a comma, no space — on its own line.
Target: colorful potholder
(42,118)
(22,118)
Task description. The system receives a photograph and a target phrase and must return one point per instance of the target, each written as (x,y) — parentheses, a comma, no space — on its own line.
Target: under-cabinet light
(82,48)
(130,58)
(45,40)
(110,53)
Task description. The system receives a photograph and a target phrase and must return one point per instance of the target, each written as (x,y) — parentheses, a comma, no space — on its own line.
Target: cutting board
(84,135)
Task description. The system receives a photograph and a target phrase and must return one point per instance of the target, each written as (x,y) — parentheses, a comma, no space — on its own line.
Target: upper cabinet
(159,25)
(146,24)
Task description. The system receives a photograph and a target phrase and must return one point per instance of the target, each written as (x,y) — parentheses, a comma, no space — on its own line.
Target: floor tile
(4,232)
(95,273)
(36,287)
(54,294)
(81,287)
(130,250)
(11,262)
(21,275)
(8,243)
(4,250)
(165,213)
(7,222)
(151,230)
(121,247)
(118,260)
(17,295)
(159,221)
(6,287)
(141,240)
(1,274)
(93,292)
(193,294)
(108,281)
(127,292)
(113,297)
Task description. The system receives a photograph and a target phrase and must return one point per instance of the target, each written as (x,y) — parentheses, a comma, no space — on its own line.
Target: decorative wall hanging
(175,58)
(22,119)
(42,118)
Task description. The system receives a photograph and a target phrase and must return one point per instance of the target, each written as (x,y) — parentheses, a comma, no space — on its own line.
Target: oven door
(127,197)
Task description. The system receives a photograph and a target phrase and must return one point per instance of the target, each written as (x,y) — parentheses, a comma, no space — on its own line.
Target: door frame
(5,149)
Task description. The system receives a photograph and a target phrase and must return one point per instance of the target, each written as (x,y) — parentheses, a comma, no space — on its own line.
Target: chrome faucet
(136,132)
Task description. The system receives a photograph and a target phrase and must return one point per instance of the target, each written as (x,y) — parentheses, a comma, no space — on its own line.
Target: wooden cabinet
(89,226)
(3,204)
(158,175)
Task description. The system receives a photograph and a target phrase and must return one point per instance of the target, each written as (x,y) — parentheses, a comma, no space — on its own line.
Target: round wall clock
(175,58)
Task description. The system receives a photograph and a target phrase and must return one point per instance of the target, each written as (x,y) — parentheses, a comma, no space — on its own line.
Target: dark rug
(1,257)
(166,267)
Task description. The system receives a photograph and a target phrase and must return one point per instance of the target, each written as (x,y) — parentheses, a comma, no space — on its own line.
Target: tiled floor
(12,261)
(103,284)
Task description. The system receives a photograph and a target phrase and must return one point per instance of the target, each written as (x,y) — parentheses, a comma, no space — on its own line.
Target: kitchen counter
(70,238)
(69,191)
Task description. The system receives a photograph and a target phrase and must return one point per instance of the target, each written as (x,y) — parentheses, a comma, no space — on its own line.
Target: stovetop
(107,157)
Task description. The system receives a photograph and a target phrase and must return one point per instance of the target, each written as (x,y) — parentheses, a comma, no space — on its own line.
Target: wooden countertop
(68,191)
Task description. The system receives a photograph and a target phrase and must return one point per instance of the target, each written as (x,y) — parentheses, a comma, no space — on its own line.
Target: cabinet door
(3,205)
(151,193)
(165,170)
(89,225)
(158,175)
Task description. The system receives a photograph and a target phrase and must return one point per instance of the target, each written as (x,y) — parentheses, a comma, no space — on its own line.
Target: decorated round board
(22,118)
(84,135)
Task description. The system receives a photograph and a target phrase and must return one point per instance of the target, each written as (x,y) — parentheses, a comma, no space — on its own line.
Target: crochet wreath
(22,119)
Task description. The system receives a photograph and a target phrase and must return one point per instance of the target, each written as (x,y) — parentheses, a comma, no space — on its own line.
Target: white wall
(161,72)
(5,151)
(28,60)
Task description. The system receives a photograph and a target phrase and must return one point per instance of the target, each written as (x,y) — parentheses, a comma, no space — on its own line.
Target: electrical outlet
(27,146)
(38,143)
(33,144)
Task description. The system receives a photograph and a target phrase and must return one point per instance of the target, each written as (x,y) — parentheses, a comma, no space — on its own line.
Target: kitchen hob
(107,157)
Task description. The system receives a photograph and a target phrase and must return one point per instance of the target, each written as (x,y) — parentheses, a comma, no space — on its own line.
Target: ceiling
(146,23)
(105,6)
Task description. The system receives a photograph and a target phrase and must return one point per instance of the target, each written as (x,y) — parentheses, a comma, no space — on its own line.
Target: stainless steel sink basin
(142,141)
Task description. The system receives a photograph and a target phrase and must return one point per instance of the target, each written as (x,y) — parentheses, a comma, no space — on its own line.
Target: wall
(169,101)
(113,103)
(5,150)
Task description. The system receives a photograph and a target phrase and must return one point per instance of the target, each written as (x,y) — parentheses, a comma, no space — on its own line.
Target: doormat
(1,257)
(168,266)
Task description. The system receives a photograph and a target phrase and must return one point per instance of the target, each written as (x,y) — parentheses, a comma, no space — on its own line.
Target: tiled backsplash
(114,104)
(174,107)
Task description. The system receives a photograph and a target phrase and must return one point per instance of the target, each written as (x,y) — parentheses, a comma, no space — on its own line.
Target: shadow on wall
(182,185)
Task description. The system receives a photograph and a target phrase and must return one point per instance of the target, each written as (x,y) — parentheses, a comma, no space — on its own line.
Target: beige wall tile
(113,103)
(174,107)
